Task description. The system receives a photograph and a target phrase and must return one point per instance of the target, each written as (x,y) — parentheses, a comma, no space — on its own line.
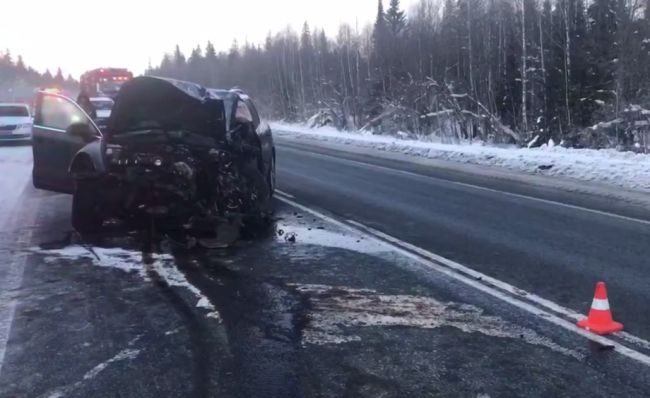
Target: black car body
(189,156)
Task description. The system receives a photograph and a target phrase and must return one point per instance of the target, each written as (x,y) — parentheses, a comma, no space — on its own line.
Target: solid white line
(16,269)
(404,249)
(8,307)
(14,182)
(288,195)
(473,186)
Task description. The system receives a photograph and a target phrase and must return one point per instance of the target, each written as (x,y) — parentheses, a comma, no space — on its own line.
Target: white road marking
(495,288)
(127,353)
(478,187)
(288,195)
(8,303)
(15,177)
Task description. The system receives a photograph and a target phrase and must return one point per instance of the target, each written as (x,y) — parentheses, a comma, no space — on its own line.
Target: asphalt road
(555,251)
(311,308)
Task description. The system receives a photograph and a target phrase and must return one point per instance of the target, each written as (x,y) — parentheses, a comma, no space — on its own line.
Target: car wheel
(86,214)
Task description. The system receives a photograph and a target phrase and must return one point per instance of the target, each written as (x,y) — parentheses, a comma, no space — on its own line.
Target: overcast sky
(79,35)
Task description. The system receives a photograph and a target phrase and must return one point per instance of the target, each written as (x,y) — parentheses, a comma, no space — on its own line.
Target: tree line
(523,71)
(18,81)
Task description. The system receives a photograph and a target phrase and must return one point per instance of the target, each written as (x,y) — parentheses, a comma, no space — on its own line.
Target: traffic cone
(600,316)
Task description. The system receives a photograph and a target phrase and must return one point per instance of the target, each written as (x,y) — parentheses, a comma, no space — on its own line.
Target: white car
(103,107)
(15,122)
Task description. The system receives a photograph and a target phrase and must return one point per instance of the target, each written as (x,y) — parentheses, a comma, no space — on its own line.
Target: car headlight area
(23,129)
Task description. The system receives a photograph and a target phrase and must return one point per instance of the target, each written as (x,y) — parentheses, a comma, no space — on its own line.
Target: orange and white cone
(600,316)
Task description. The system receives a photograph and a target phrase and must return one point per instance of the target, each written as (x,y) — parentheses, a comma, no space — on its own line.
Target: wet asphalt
(556,252)
(301,309)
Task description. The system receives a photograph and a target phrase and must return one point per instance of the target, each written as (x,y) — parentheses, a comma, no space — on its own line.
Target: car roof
(221,93)
(190,88)
(195,90)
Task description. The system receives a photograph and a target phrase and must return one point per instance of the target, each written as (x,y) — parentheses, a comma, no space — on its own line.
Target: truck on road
(104,82)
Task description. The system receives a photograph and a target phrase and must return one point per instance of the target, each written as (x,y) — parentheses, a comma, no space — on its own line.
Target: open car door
(61,128)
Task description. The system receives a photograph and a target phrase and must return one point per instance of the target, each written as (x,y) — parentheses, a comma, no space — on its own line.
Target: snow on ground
(624,169)
(313,236)
(131,261)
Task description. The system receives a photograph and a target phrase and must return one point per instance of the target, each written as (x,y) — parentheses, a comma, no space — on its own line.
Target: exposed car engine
(192,186)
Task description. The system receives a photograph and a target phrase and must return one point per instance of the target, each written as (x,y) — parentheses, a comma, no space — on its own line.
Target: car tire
(86,214)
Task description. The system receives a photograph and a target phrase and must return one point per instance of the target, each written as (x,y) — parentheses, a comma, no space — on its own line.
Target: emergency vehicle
(104,82)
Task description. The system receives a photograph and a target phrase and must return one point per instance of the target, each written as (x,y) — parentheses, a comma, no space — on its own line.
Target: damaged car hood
(159,104)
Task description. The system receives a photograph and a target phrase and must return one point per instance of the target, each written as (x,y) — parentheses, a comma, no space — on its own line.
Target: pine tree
(395,18)
(380,50)
(194,66)
(396,22)
(47,77)
(603,47)
(20,65)
(305,37)
(180,63)
(166,68)
(210,64)
(7,58)
(306,61)
(380,32)
(234,51)
(559,67)
(582,94)
(449,35)
(179,57)
(58,78)
(210,53)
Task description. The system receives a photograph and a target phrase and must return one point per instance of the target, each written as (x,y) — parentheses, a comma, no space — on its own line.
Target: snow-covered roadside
(623,169)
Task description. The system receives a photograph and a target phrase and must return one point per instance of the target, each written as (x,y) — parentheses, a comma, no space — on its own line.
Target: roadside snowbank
(623,169)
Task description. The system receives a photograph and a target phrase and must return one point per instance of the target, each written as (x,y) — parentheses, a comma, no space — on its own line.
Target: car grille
(9,127)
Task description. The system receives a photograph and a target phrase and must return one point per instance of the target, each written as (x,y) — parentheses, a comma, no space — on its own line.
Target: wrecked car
(187,157)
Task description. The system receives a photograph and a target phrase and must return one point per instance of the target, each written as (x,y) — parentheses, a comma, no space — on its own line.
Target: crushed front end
(170,158)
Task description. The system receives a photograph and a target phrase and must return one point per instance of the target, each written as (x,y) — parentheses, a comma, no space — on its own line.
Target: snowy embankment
(623,169)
